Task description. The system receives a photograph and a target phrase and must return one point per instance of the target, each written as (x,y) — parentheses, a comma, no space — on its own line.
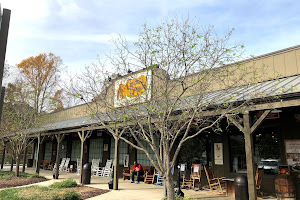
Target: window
(267,153)
(142,157)
(123,150)
(266,150)
(48,151)
(196,151)
(63,151)
(76,148)
(35,152)
(237,153)
(96,149)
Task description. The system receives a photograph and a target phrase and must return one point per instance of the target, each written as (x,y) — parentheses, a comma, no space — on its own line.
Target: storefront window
(123,150)
(48,151)
(142,157)
(237,153)
(267,152)
(76,148)
(63,151)
(96,149)
(196,151)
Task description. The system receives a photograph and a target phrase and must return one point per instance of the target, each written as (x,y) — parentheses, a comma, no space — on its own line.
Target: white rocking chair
(105,171)
(95,166)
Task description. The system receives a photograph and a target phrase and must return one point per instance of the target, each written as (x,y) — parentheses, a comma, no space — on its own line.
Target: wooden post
(24,159)
(59,139)
(3,155)
(249,147)
(116,174)
(83,137)
(249,157)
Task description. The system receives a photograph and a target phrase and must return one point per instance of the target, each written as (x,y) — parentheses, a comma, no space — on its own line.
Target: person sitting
(137,170)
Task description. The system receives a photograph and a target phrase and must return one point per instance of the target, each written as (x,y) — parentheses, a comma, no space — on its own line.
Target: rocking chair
(258,178)
(149,177)
(196,174)
(215,184)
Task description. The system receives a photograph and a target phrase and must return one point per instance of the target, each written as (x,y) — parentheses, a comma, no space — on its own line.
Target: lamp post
(179,192)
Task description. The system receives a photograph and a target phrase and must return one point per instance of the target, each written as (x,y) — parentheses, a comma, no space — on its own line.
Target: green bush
(72,195)
(36,176)
(24,174)
(68,183)
(6,175)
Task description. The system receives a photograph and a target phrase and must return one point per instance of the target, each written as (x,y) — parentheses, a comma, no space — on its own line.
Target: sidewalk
(127,190)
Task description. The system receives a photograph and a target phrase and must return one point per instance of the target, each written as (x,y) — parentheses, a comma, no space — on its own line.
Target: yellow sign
(133,89)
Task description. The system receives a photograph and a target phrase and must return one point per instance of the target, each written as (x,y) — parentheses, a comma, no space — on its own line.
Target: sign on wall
(292,149)
(218,149)
(133,89)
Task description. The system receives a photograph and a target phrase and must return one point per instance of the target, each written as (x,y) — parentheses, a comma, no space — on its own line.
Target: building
(266,133)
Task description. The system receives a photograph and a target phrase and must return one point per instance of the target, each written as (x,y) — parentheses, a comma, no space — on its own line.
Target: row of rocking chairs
(150,178)
(215,184)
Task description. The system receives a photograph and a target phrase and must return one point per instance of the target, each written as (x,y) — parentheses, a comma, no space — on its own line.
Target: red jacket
(138,168)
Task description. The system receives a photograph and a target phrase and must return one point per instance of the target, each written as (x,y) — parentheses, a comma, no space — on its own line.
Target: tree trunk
(24,161)
(17,166)
(170,187)
(38,162)
(12,164)
(3,156)
(116,175)
(81,157)
(57,159)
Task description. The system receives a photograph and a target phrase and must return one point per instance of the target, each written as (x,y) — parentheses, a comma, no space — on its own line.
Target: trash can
(241,188)
(86,174)
(30,162)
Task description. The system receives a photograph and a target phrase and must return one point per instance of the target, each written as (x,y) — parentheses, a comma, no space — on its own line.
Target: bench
(127,172)
(45,164)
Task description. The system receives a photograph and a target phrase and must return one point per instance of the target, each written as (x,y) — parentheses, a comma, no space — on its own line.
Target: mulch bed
(88,192)
(19,181)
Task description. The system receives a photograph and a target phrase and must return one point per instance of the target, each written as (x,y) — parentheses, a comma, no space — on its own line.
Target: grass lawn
(65,190)
(36,192)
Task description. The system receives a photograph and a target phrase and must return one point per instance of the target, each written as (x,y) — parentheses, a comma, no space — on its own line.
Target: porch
(126,189)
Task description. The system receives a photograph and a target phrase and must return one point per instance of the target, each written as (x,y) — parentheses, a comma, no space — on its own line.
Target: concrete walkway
(127,190)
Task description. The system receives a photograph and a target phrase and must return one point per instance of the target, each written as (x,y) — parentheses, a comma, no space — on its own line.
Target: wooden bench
(45,164)
(127,172)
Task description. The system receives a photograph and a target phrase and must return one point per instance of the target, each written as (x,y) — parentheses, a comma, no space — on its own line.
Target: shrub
(24,175)
(72,195)
(6,175)
(36,176)
(68,183)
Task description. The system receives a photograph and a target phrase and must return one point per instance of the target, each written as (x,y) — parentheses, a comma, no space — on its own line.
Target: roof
(282,87)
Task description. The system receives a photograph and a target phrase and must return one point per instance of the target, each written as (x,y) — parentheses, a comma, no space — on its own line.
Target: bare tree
(179,77)
(18,121)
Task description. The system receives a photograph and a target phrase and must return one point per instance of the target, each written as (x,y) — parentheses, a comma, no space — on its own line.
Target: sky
(80,30)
